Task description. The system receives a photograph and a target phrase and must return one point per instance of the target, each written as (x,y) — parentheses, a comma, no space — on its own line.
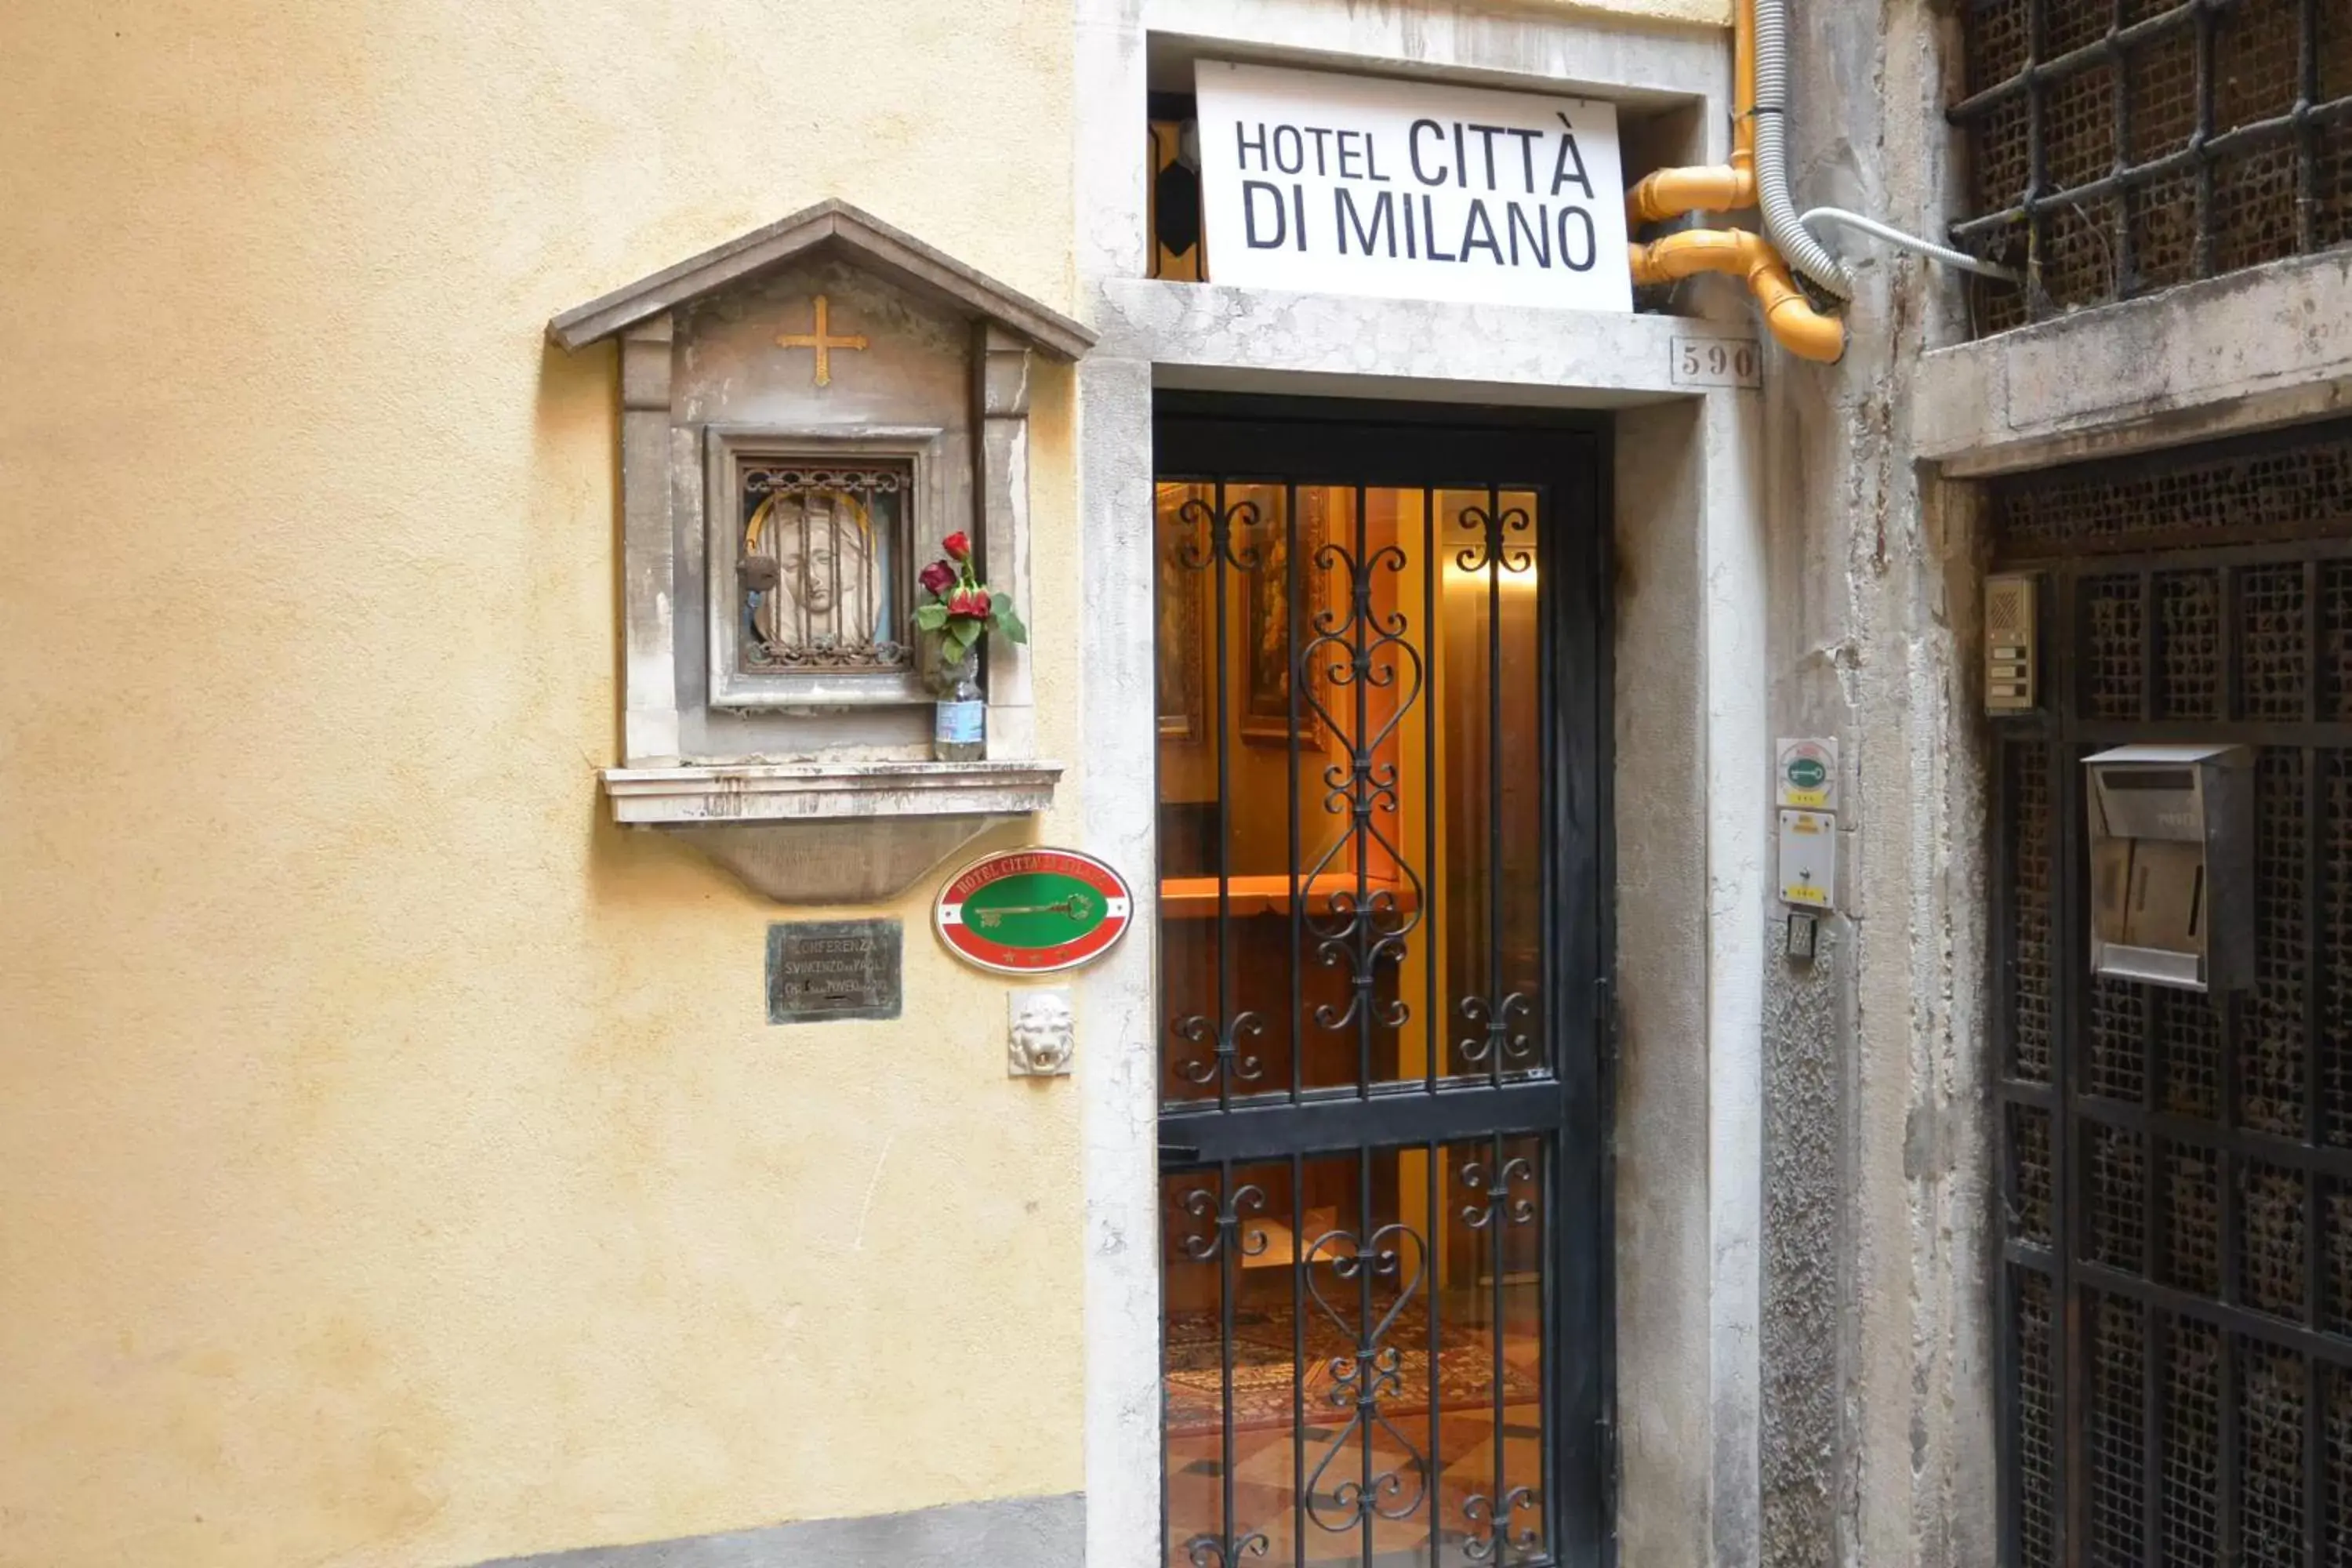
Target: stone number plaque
(821,972)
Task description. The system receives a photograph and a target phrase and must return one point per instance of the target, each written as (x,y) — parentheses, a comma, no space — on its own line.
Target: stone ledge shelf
(803,792)
(830,833)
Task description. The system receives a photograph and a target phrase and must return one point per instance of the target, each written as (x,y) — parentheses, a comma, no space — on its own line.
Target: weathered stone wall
(1876,1434)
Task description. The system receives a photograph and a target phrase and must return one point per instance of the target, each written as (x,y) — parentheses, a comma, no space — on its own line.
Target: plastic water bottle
(960,730)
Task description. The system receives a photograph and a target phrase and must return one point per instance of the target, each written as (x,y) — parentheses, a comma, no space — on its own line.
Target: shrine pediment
(834,229)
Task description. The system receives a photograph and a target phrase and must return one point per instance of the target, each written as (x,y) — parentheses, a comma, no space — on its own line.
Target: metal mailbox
(2172,865)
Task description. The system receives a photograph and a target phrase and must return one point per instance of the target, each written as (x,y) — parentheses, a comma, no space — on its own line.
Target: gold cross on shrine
(822,341)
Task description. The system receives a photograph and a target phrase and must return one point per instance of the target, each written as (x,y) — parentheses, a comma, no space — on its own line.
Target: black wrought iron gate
(2176,1287)
(1381,647)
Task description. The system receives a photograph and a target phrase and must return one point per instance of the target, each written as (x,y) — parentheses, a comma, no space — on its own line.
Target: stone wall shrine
(807,412)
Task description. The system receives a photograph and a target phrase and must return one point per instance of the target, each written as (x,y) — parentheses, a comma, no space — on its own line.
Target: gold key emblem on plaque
(1077,906)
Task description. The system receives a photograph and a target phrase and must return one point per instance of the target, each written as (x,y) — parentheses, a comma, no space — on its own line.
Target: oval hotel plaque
(1032,911)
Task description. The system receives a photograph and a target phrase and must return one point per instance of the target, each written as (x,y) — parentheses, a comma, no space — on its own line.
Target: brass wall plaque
(821,972)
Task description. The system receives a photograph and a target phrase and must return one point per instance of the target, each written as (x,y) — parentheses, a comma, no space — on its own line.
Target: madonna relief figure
(811,586)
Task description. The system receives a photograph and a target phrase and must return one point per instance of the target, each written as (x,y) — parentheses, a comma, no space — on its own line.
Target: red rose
(969,602)
(957,546)
(937,577)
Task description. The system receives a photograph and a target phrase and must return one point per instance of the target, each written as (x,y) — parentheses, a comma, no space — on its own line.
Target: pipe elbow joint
(1691,251)
(1805,333)
(1791,318)
(1670,193)
(1787,315)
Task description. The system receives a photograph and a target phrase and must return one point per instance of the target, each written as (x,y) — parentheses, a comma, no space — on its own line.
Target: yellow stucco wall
(399,1168)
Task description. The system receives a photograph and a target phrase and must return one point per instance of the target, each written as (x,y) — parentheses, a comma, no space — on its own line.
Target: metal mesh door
(2176,1172)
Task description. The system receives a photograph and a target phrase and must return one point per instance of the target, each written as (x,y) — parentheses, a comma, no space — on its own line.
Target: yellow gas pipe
(1711,187)
(1789,316)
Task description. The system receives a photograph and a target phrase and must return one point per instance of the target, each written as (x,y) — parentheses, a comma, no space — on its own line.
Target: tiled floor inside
(1269,1468)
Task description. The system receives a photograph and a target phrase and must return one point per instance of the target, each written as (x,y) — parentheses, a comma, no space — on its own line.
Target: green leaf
(1009,623)
(956,642)
(931,617)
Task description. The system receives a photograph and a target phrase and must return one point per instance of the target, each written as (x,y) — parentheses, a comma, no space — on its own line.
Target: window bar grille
(2004,924)
(1296,574)
(1436,1039)
(1438,1223)
(2230,1440)
(2315,1239)
(1496,1195)
(1367,1387)
(2204,166)
(2063,1355)
(1223,557)
(2037,154)
(1365,791)
(1499,1017)
(2313,129)
(818,565)
(1302,1249)
(2127,262)
(2306,165)
(1547,1273)
(1229,1279)
(2155,1342)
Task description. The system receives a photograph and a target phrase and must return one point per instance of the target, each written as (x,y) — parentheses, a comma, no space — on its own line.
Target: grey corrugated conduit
(1794,236)
(1789,237)
(1817,218)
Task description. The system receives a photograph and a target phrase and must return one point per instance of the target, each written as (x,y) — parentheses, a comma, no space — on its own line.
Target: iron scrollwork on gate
(1219,539)
(1377,783)
(1357,652)
(1503,1194)
(1498,1016)
(1372,1372)
(1227,1241)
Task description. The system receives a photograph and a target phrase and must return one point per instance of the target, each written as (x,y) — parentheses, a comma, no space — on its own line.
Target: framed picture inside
(1181,644)
(1268,645)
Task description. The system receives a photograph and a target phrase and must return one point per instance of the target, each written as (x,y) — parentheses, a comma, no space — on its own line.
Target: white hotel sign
(1411,190)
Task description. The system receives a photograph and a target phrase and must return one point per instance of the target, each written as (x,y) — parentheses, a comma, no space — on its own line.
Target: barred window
(818,569)
(2122,146)
(809,556)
